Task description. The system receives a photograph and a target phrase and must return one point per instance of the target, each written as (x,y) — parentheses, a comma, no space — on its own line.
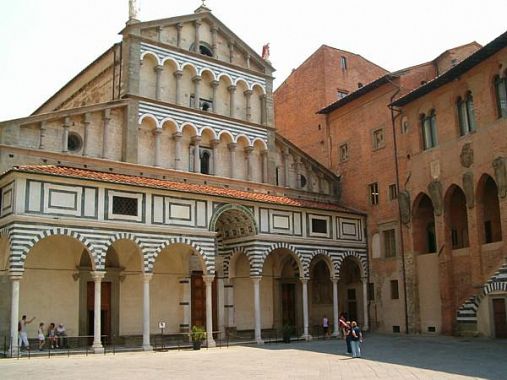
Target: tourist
(53,340)
(40,336)
(356,340)
(348,337)
(342,322)
(61,334)
(325,326)
(23,337)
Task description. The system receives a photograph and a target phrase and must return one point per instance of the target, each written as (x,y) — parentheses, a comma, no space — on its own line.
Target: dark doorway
(289,304)
(105,308)
(500,317)
(198,295)
(352,304)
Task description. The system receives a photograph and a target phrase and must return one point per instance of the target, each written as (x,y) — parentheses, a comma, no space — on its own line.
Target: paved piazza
(384,357)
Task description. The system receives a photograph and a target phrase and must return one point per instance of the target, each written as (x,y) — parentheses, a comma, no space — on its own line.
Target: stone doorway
(499,317)
(289,304)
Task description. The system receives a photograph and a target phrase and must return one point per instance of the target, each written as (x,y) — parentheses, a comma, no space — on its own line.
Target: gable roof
(467,64)
(202,13)
(156,183)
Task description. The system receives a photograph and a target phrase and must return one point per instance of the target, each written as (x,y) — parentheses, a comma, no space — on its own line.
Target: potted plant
(287,331)
(198,334)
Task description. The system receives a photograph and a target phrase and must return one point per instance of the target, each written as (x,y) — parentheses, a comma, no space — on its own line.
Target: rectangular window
(395,293)
(351,294)
(373,193)
(488,231)
(319,226)
(501,96)
(343,63)
(371,291)
(204,104)
(466,114)
(429,130)
(344,152)
(393,192)
(389,237)
(378,138)
(124,206)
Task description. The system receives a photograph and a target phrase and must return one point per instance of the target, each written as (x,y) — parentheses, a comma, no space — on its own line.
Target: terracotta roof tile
(65,171)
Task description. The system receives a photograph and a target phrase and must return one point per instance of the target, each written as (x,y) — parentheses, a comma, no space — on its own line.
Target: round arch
(303,269)
(326,257)
(207,263)
(358,258)
(150,117)
(151,55)
(228,207)
(230,263)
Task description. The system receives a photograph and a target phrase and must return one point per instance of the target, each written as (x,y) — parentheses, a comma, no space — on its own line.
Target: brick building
(359,131)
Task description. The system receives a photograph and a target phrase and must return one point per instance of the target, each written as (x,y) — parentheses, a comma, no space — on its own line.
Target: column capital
(231,44)
(304,280)
(177,136)
(178,74)
(179,26)
(248,93)
(196,139)
(158,68)
(107,114)
(264,152)
(87,118)
(157,131)
(208,278)
(231,88)
(66,122)
(196,78)
(232,146)
(98,275)
(214,142)
(249,149)
(214,28)
(147,276)
(335,279)
(42,125)
(364,278)
(256,279)
(198,22)
(15,276)
(214,83)
(262,96)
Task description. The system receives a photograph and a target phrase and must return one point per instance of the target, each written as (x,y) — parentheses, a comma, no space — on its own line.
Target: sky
(44,43)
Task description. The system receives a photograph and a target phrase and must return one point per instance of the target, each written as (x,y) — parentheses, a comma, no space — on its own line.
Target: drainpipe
(402,243)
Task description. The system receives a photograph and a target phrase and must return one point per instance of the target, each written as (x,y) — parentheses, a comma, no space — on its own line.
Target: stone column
(86,135)
(105,132)
(42,134)
(197,154)
(248,57)
(309,176)
(232,152)
(146,311)
(336,326)
(14,335)
(159,33)
(248,110)
(232,90)
(65,138)
(157,132)
(97,330)
(286,167)
(231,51)
(177,96)
(249,162)
(257,309)
(208,279)
(264,157)
(318,184)
(197,91)
(177,150)
(214,86)
(214,161)
(306,335)
(264,114)
(214,39)
(297,168)
(365,303)
(197,38)
(158,73)
(179,26)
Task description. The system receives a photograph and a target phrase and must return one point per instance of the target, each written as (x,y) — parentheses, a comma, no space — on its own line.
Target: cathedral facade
(154,187)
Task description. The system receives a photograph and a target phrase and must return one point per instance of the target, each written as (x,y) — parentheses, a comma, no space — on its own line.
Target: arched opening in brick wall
(456,217)
(424,225)
(488,209)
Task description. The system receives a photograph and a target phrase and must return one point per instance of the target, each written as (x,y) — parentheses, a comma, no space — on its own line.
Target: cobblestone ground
(384,357)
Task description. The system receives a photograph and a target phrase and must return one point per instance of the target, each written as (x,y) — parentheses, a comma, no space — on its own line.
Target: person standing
(348,337)
(325,326)
(40,336)
(23,337)
(356,340)
(53,341)
(342,326)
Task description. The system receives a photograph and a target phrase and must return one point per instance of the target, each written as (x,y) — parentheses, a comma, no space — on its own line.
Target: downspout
(402,243)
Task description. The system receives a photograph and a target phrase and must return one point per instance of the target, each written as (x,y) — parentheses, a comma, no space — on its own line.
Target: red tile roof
(64,171)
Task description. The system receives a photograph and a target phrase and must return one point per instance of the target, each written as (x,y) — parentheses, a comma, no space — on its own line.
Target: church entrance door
(289,304)
(198,301)
(500,317)
(105,308)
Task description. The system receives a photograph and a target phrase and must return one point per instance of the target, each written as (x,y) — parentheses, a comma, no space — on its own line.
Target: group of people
(353,336)
(54,334)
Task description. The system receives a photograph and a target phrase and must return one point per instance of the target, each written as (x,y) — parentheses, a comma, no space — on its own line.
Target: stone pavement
(384,357)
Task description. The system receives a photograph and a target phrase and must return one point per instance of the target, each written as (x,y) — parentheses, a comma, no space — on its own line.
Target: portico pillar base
(307,337)
(259,341)
(147,348)
(98,349)
(211,343)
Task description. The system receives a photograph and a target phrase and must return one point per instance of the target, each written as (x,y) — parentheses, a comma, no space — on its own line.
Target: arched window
(205,49)
(501,95)
(205,162)
(466,114)
(429,130)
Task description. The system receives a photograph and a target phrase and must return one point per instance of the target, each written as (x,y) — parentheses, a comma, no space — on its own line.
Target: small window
(319,226)
(205,50)
(343,63)
(389,237)
(74,142)
(396,329)
(429,130)
(395,292)
(303,181)
(378,138)
(124,206)
(205,157)
(371,291)
(340,94)
(344,152)
(204,104)
(351,294)
(373,193)
(278,176)
(466,114)
(404,125)
(501,96)
(393,192)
